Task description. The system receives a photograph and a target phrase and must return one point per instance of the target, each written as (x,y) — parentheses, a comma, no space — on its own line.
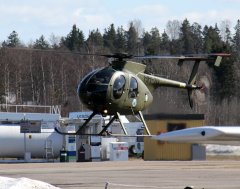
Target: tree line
(42,72)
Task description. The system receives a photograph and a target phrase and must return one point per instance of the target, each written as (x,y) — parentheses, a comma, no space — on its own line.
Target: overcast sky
(31,19)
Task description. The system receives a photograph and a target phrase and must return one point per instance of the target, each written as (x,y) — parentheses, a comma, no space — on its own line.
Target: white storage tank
(118,151)
(14,144)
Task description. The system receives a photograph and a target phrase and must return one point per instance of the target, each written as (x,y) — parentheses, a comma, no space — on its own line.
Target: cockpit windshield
(93,89)
(102,77)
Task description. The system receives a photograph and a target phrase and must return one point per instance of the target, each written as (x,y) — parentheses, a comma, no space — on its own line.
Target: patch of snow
(23,183)
(222,150)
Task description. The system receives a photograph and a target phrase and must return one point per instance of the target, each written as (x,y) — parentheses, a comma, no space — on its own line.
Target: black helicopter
(124,88)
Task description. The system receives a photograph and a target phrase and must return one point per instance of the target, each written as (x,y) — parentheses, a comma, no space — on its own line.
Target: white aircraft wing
(203,135)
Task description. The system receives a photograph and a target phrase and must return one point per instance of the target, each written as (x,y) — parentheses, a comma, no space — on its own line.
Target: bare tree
(173,29)
(137,24)
(225,30)
(54,41)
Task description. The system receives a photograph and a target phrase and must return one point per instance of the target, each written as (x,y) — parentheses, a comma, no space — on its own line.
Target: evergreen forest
(48,71)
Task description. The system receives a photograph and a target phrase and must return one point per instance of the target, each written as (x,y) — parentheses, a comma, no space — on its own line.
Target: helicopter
(124,88)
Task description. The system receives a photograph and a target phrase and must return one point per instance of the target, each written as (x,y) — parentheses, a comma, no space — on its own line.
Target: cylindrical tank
(14,144)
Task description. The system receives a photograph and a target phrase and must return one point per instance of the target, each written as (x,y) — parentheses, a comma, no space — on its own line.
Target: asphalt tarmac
(131,174)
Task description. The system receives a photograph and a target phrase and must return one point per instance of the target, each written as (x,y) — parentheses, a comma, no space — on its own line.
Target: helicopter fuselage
(108,91)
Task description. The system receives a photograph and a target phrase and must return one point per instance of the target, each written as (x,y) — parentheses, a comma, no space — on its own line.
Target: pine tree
(165,43)
(95,41)
(155,41)
(41,43)
(212,40)
(197,38)
(147,38)
(121,42)
(225,74)
(109,38)
(13,40)
(226,77)
(176,47)
(186,38)
(228,39)
(132,39)
(236,37)
(74,40)
(207,44)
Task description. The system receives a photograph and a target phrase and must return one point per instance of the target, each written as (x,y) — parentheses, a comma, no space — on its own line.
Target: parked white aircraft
(227,135)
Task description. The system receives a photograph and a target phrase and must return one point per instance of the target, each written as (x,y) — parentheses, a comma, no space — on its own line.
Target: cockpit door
(133,91)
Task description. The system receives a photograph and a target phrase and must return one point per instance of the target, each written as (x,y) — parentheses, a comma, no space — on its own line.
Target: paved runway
(131,174)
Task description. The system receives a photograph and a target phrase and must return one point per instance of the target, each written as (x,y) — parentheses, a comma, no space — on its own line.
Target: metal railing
(30,108)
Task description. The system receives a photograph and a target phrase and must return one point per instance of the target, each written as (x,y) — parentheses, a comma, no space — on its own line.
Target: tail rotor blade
(190,99)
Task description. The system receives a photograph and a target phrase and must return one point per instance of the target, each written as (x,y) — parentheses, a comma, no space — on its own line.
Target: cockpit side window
(118,86)
(133,89)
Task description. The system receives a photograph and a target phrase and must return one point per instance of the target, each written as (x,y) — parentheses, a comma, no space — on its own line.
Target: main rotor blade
(189,57)
(115,55)
(121,56)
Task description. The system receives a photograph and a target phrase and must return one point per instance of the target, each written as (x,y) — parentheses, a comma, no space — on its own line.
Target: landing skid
(105,135)
(76,133)
(104,131)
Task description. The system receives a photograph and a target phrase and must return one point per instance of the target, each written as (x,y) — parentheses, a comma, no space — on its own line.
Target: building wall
(156,150)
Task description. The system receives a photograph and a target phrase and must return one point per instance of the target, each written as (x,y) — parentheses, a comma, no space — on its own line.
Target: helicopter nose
(93,89)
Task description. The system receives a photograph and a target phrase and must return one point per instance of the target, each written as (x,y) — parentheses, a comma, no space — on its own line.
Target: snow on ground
(222,150)
(23,183)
